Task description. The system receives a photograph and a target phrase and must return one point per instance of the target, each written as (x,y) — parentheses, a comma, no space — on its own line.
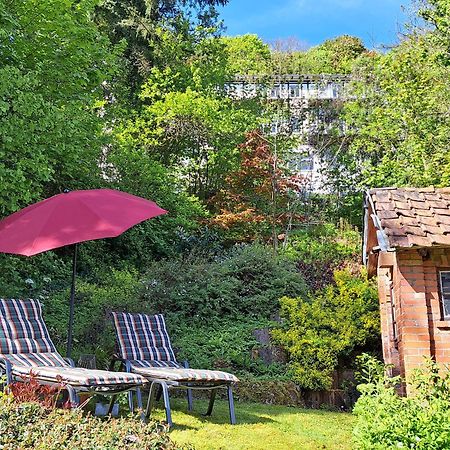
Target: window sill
(444,324)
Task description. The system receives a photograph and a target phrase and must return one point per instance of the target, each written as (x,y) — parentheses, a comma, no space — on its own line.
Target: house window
(444,278)
(307,163)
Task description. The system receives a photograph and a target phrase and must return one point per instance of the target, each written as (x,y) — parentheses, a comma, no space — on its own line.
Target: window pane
(445,292)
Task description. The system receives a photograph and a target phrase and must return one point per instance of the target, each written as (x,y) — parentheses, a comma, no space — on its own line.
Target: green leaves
(387,421)
(53,62)
(398,121)
(328,326)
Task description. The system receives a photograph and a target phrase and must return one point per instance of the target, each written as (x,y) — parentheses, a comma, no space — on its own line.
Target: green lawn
(260,427)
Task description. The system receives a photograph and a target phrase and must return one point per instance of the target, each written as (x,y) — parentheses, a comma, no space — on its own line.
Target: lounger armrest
(5,367)
(125,363)
(69,361)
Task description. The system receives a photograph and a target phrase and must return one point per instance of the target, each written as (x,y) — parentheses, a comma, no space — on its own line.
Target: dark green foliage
(31,426)
(211,306)
(247,281)
(387,421)
(145,26)
(323,329)
(115,290)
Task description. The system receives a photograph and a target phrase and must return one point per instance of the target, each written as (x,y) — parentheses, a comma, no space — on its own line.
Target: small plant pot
(101,409)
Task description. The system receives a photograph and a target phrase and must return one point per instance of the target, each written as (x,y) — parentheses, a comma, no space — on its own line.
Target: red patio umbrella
(69,218)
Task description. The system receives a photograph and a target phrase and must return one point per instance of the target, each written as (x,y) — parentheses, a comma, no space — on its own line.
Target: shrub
(387,421)
(93,331)
(226,346)
(246,282)
(31,426)
(320,250)
(223,300)
(321,330)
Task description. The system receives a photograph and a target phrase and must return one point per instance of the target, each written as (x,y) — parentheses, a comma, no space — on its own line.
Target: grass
(259,427)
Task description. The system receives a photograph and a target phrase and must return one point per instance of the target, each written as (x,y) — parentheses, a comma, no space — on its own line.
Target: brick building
(407,245)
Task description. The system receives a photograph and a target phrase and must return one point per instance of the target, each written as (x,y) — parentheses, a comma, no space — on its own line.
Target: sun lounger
(144,348)
(26,351)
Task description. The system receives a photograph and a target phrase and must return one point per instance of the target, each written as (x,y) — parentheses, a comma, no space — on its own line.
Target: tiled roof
(412,217)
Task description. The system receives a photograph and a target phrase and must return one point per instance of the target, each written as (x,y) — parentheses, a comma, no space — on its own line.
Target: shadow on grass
(219,416)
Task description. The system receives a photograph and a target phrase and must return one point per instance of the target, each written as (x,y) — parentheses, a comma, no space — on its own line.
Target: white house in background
(305,161)
(300,92)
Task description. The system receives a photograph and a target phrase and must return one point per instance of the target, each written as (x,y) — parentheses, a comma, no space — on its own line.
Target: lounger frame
(162,387)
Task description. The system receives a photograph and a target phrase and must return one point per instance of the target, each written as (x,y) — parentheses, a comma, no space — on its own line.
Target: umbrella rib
(41,228)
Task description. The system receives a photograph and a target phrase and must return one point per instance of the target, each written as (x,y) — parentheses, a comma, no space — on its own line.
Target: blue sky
(312,21)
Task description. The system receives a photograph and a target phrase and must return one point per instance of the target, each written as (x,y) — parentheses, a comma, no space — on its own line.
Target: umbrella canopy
(70,218)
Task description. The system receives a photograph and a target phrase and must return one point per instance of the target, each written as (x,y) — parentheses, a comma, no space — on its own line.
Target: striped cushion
(22,329)
(185,375)
(143,338)
(26,344)
(76,376)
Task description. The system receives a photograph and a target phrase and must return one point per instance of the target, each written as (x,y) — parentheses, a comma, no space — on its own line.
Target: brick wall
(420,328)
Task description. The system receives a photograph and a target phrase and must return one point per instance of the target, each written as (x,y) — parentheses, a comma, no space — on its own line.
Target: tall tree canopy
(53,61)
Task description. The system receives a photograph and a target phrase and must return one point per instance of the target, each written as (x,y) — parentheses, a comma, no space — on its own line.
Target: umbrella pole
(72,303)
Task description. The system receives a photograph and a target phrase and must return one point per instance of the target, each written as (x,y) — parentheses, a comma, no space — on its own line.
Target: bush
(322,330)
(223,300)
(387,421)
(226,346)
(246,282)
(31,426)
(93,331)
(320,250)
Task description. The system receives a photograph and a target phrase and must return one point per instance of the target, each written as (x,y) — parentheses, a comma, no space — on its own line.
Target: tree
(247,55)
(256,199)
(186,121)
(399,120)
(334,56)
(52,65)
(145,26)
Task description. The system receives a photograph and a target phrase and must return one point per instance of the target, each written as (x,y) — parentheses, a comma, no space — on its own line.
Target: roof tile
(437,203)
(418,241)
(391,223)
(399,241)
(387,214)
(398,196)
(383,206)
(444,228)
(394,231)
(406,212)
(442,219)
(402,205)
(439,239)
(412,221)
(443,211)
(426,220)
(418,204)
(431,229)
(416,196)
(424,212)
(416,231)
